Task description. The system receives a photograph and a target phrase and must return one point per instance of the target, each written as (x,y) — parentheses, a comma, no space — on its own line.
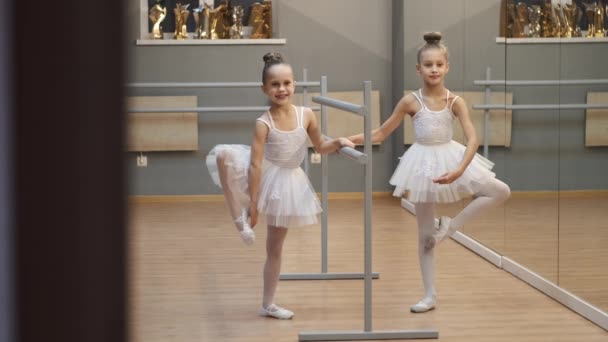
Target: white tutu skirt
(420,164)
(286,196)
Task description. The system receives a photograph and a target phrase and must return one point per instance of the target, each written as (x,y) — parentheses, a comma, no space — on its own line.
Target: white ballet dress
(433,154)
(286,196)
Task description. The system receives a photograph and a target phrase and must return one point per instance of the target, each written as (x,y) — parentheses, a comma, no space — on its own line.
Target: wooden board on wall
(596,121)
(341,123)
(500,120)
(162,131)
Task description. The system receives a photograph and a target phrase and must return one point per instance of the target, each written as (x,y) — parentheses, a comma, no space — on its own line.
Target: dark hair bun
(432,37)
(273,57)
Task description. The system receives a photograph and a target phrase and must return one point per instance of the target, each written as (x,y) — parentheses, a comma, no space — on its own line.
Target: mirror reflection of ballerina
(157,14)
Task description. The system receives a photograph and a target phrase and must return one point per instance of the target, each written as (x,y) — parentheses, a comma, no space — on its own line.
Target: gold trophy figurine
(520,21)
(595,18)
(535,16)
(571,20)
(509,18)
(236,28)
(599,21)
(157,14)
(217,22)
(181,16)
(548,24)
(260,20)
(201,18)
(558,19)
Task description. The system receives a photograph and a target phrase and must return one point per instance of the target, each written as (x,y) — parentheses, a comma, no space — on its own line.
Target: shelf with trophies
(207,22)
(553,21)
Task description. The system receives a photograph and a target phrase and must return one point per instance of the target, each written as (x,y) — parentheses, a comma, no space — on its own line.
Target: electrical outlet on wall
(315,158)
(142,161)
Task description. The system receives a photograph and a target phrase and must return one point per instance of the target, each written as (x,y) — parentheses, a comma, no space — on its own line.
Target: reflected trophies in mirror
(595,18)
(181,17)
(157,14)
(260,20)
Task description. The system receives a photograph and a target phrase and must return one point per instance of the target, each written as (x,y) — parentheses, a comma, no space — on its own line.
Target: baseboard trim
(559,294)
(478,248)
(174,198)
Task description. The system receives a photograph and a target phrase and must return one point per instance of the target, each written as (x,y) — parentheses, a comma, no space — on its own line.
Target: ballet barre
(350,153)
(489,82)
(367,333)
(257,109)
(304,84)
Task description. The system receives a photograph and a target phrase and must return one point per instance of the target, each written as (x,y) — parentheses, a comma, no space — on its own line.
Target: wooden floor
(191,279)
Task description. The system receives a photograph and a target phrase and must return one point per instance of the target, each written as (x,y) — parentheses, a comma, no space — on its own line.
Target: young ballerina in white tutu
(267,177)
(436,169)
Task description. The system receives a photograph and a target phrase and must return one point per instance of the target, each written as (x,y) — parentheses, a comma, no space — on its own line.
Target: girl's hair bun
(432,37)
(273,57)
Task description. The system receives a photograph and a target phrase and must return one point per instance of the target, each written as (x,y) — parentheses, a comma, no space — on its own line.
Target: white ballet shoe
(247,234)
(443,232)
(275,311)
(427,304)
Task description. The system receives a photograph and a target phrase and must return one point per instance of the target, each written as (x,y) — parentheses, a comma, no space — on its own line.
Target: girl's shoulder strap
(453,100)
(418,95)
(261,119)
(299,115)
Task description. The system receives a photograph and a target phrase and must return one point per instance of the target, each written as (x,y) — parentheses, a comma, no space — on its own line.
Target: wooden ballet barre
(203,109)
(539,82)
(345,106)
(212,84)
(543,106)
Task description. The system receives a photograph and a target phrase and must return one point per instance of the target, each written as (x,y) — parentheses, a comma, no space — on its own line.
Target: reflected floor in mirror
(192,279)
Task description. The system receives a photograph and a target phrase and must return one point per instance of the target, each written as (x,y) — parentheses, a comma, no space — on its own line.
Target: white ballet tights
(238,203)
(488,195)
(272,267)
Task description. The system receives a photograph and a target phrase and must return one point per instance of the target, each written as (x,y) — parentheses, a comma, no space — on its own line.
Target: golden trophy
(521,22)
(236,27)
(558,19)
(571,15)
(535,16)
(181,16)
(157,14)
(260,20)
(201,18)
(217,22)
(595,18)
(547,24)
(508,18)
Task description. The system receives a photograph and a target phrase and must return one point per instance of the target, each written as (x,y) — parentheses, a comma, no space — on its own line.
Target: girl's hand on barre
(344,142)
(448,177)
